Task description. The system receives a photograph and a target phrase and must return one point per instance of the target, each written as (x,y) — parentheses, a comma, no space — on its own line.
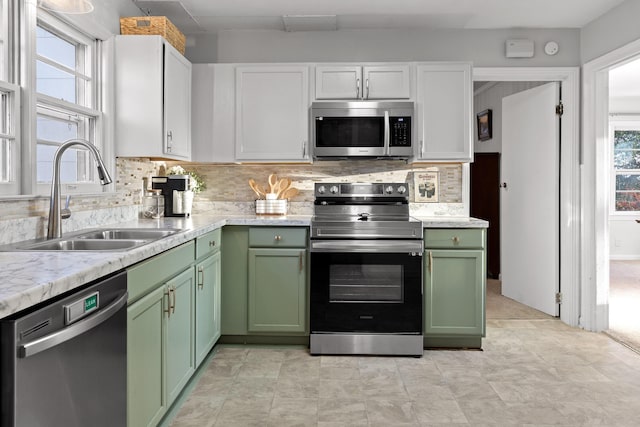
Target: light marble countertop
(31,277)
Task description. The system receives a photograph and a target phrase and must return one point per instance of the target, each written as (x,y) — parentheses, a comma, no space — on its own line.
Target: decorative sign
(426,186)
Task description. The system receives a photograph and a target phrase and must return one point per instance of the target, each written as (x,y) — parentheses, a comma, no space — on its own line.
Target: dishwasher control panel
(81,307)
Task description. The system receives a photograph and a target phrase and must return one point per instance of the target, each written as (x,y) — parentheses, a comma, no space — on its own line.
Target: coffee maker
(173,188)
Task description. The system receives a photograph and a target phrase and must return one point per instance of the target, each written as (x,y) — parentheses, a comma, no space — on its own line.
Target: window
(67,106)
(625,137)
(9,110)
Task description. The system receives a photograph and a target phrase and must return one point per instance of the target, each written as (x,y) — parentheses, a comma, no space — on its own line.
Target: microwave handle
(387,132)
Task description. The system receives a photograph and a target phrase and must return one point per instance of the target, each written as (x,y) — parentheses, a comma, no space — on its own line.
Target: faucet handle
(66,212)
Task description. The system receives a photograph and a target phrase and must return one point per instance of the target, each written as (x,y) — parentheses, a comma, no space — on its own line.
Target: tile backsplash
(23,218)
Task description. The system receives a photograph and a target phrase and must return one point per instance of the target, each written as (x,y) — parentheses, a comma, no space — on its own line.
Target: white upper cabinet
(153,99)
(213,113)
(444,111)
(363,82)
(272,113)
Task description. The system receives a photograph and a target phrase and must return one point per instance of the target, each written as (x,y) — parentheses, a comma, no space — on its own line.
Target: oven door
(366,286)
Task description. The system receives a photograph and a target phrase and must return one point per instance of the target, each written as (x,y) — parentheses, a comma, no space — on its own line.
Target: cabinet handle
(367,83)
(212,243)
(456,240)
(300,261)
(357,88)
(169,140)
(201,277)
(304,149)
(430,262)
(421,148)
(277,238)
(173,307)
(168,309)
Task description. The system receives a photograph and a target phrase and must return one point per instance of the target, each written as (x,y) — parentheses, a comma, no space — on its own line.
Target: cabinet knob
(212,243)
(277,238)
(456,240)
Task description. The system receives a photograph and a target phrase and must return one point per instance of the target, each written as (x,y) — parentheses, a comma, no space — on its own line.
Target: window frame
(616,123)
(13,126)
(90,95)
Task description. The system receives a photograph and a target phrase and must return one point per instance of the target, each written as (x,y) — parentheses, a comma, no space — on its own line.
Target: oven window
(350,132)
(366,282)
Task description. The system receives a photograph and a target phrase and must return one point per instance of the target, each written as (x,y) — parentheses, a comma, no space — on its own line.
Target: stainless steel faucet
(54,230)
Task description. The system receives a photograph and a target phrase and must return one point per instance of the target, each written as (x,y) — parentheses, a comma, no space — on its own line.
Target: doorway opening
(568,172)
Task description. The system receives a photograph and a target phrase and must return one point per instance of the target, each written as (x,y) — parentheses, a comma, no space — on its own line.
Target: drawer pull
(277,238)
(201,277)
(212,243)
(456,240)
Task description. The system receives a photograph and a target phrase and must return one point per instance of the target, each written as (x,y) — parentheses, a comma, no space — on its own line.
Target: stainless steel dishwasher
(64,363)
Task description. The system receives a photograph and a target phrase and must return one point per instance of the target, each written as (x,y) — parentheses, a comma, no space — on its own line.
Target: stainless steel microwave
(365,129)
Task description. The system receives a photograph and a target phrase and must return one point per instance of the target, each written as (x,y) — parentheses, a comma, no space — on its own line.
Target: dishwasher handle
(44,343)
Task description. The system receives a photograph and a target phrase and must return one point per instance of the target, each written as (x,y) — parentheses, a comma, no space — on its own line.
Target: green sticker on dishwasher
(91,302)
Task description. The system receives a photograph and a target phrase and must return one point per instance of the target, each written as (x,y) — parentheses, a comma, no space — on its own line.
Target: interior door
(530,197)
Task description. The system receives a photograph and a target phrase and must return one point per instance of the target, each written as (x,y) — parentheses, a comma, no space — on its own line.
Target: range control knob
(402,189)
(389,189)
(321,189)
(333,189)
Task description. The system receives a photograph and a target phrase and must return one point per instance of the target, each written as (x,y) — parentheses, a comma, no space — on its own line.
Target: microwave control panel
(400,131)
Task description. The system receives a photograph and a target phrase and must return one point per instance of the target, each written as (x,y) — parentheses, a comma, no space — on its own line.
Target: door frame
(595,184)
(569,173)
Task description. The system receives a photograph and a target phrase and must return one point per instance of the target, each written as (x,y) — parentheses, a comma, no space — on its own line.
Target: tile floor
(531,372)
(624,300)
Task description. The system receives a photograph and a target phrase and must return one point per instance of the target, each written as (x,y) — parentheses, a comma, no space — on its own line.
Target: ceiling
(198,16)
(211,16)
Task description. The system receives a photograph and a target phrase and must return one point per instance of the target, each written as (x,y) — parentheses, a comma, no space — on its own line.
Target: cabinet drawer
(454,238)
(280,237)
(146,275)
(208,243)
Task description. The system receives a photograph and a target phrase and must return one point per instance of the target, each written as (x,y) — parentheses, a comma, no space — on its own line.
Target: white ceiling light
(67,6)
(310,22)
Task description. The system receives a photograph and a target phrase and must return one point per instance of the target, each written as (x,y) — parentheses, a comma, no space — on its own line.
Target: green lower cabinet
(207,309)
(179,348)
(454,297)
(235,241)
(277,290)
(146,398)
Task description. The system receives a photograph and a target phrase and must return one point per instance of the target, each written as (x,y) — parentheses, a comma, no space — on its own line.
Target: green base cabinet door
(454,294)
(277,290)
(180,355)
(146,400)
(207,316)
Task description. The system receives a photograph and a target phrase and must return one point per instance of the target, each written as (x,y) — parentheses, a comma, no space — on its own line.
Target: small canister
(153,204)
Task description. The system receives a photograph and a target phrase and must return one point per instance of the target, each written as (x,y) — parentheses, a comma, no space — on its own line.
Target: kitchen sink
(126,234)
(102,239)
(84,245)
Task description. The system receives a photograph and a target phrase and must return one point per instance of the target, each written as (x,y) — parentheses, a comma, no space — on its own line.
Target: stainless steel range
(366,271)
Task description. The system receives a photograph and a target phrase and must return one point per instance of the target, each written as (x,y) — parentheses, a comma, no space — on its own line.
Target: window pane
(627,182)
(626,140)
(628,201)
(6,156)
(52,129)
(56,83)
(72,166)
(55,48)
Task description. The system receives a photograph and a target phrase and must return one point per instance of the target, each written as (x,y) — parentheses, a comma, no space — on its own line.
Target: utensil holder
(271,207)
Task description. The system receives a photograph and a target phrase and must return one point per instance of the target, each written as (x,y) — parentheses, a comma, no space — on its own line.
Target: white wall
(612,30)
(483,47)
(104,21)
(490,97)
(624,238)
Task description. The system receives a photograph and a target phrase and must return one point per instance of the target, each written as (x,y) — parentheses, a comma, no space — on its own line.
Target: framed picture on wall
(426,186)
(483,120)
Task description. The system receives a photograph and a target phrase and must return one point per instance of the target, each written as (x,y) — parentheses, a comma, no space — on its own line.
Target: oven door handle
(371,246)
(387,134)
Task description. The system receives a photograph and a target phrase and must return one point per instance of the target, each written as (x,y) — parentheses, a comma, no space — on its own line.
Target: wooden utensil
(273,183)
(256,188)
(289,193)
(283,185)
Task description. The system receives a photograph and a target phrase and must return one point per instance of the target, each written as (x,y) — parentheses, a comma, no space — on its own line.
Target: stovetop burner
(363,210)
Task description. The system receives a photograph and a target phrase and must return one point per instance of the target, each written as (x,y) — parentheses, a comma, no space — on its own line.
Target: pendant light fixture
(67,6)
